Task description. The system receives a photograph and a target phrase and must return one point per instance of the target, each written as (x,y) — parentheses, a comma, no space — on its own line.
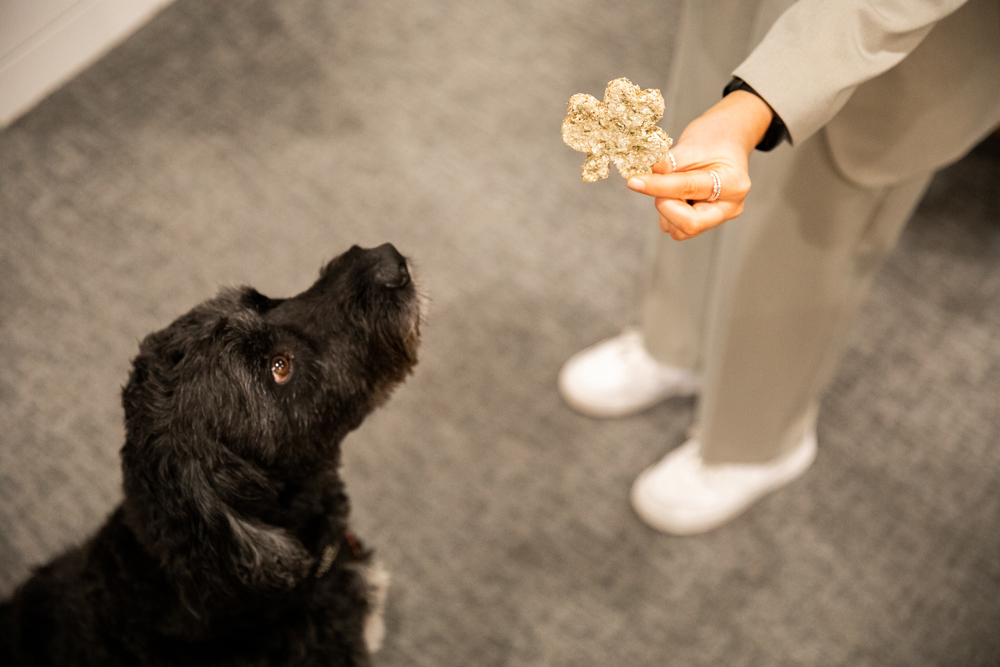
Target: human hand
(720,140)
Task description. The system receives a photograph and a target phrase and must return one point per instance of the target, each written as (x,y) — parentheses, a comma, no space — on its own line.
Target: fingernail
(636,184)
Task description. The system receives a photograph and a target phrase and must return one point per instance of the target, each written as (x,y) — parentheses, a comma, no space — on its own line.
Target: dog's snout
(390,270)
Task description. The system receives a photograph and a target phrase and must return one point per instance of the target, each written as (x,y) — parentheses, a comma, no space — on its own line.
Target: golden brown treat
(622,129)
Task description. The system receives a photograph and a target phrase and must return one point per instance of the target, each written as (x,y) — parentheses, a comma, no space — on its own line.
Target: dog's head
(238,404)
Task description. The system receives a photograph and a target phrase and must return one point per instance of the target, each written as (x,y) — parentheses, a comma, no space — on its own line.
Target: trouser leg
(713,37)
(675,301)
(761,306)
(790,274)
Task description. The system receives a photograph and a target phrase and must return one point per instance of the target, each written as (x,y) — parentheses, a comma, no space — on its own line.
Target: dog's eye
(281,368)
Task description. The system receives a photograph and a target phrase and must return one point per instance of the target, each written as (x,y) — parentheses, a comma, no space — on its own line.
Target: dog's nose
(390,269)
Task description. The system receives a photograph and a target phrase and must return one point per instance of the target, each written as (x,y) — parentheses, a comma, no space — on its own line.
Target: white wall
(44,43)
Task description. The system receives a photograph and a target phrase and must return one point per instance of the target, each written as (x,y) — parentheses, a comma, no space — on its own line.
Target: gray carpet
(247,142)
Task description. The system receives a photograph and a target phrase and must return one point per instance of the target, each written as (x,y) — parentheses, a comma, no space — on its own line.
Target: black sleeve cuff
(776,131)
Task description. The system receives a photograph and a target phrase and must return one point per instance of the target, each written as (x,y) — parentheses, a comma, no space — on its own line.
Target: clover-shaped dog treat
(622,128)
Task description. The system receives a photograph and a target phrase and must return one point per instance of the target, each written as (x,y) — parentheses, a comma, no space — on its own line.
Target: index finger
(687,185)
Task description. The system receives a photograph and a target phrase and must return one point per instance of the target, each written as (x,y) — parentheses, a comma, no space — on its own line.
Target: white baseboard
(45,60)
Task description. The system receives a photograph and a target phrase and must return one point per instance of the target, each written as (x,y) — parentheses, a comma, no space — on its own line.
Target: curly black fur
(231,546)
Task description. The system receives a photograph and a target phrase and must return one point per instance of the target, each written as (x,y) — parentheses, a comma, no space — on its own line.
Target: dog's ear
(188,498)
(262,556)
(181,505)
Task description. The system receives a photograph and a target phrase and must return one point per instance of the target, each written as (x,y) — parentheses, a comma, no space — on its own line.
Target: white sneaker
(684,496)
(618,377)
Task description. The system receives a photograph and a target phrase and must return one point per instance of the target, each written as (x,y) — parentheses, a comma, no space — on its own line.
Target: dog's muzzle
(391,271)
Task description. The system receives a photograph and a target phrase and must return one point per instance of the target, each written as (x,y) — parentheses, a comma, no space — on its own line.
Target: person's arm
(806,67)
(818,52)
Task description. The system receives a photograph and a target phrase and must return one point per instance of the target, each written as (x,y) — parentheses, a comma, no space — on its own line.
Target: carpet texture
(248,142)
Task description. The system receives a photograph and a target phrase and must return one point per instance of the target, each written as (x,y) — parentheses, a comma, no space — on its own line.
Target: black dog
(231,546)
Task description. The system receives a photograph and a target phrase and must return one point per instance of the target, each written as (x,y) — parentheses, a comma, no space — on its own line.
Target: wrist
(776,132)
(748,117)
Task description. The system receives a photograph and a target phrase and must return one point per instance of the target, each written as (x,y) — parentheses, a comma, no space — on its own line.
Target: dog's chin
(411,335)
(414,317)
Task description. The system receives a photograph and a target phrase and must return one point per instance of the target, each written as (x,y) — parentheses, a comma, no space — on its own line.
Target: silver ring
(717,189)
(673,162)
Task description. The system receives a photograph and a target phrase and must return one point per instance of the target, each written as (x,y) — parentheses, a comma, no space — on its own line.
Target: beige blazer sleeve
(900,87)
(819,51)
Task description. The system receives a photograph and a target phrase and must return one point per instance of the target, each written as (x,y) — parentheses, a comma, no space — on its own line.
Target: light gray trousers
(761,306)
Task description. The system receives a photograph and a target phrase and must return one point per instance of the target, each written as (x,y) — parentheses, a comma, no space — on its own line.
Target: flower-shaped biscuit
(622,128)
